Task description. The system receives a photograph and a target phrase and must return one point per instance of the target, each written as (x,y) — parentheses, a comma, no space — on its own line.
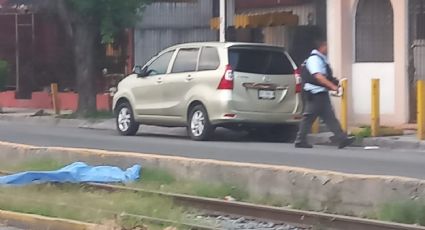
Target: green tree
(4,69)
(89,23)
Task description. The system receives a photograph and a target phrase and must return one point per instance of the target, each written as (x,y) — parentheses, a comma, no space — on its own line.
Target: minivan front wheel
(126,125)
(199,127)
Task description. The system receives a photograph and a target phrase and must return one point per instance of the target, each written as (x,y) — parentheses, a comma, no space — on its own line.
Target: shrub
(407,212)
(4,69)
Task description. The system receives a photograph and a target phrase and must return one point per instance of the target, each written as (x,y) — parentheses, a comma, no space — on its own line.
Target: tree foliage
(109,15)
(89,23)
(3,74)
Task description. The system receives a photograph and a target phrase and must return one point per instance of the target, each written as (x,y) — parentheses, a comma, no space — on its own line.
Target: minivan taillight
(227,79)
(298,86)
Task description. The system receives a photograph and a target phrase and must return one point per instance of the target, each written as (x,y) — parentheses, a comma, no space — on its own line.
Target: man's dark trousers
(319,105)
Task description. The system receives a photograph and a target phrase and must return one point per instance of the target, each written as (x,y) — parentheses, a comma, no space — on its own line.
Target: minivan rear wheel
(199,127)
(124,117)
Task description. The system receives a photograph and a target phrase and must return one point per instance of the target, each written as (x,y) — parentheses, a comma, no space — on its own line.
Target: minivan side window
(186,60)
(209,59)
(160,65)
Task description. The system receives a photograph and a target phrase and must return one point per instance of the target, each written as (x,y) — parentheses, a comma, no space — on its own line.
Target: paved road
(4,227)
(230,146)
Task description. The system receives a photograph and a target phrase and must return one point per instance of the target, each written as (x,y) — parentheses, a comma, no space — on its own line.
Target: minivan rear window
(260,61)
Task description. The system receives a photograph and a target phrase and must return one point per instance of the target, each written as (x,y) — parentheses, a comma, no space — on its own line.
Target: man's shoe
(303,145)
(346,142)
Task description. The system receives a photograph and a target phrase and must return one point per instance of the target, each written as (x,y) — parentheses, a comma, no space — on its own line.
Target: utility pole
(223,20)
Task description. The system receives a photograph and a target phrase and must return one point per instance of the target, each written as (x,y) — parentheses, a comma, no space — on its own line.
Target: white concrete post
(401,57)
(222,20)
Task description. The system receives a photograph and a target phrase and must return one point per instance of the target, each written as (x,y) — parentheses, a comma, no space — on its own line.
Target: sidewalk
(47,118)
(407,141)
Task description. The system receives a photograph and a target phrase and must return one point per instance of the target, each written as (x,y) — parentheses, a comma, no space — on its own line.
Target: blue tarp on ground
(75,173)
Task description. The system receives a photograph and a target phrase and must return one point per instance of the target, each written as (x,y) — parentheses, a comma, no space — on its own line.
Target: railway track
(261,212)
(308,219)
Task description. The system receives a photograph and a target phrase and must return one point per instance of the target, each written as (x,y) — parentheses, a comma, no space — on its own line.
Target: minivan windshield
(260,60)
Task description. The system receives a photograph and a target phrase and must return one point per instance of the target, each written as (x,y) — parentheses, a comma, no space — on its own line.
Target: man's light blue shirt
(315,64)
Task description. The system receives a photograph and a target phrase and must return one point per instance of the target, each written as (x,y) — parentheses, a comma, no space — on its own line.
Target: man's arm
(323,80)
(335,81)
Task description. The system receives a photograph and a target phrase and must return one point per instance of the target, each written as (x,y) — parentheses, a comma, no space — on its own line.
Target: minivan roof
(221,44)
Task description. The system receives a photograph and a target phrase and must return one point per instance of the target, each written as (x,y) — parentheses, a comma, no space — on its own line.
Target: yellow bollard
(344,106)
(421,109)
(316,126)
(55,99)
(375,113)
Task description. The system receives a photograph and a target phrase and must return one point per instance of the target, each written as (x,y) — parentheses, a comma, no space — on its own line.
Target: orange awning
(215,23)
(242,21)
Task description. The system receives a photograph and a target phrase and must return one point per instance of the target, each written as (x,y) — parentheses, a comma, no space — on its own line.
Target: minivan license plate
(266,94)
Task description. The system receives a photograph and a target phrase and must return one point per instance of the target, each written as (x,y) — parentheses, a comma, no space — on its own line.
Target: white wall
(363,73)
(394,76)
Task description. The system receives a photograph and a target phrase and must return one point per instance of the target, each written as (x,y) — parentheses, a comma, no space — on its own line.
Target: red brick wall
(43,100)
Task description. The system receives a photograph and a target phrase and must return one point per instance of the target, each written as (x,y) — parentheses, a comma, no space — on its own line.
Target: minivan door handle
(159,80)
(189,77)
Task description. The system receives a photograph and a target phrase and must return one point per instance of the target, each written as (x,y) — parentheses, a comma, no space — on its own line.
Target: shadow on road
(221,135)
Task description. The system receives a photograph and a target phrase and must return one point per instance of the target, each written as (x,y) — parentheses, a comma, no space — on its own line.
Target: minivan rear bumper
(221,112)
(257,118)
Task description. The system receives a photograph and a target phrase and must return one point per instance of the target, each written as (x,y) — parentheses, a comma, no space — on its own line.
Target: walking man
(318,80)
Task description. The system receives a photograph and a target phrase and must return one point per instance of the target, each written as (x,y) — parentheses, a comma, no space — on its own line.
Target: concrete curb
(36,222)
(320,190)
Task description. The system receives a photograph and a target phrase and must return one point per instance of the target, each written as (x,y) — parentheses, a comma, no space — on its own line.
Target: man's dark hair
(319,42)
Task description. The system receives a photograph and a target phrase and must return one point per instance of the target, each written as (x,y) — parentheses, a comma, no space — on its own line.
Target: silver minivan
(201,86)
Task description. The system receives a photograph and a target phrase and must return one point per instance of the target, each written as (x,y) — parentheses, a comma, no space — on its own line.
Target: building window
(374,31)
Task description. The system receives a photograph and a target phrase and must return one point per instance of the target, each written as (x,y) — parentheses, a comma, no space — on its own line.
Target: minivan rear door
(264,79)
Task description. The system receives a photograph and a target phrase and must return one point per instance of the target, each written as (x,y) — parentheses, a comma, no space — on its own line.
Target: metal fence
(165,24)
(418,49)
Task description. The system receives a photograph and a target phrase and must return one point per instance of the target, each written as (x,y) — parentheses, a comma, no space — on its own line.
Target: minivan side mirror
(140,71)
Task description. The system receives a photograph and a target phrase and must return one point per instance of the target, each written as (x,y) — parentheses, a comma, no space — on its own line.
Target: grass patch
(212,190)
(363,132)
(92,116)
(384,131)
(409,212)
(301,204)
(38,164)
(156,176)
(152,179)
(79,203)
